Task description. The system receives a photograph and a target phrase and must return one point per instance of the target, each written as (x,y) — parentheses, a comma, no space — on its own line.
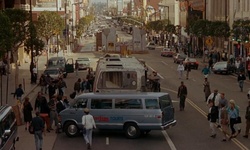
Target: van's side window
(81,103)
(151,104)
(101,103)
(128,104)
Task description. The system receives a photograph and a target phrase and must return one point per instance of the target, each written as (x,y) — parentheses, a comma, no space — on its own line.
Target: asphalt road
(192,130)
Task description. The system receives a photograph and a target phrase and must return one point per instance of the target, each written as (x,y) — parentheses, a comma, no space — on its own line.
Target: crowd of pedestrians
(47,110)
(224,114)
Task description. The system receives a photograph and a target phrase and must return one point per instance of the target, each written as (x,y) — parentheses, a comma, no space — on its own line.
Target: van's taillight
(158,116)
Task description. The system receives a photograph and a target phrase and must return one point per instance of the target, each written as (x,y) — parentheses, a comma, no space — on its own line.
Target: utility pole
(31,39)
(57,38)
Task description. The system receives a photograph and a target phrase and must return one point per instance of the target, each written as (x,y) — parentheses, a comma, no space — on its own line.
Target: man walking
(206,89)
(18,93)
(89,124)
(182,94)
(247,116)
(241,78)
(76,67)
(38,125)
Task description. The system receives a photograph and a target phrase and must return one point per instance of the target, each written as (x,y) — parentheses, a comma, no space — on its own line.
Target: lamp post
(32,54)
(57,38)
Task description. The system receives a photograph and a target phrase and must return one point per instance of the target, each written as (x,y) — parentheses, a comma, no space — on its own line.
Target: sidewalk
(26,140)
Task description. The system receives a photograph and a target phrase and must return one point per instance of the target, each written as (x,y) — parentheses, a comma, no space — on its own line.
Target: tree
(83,22)
(49,24)
(19,27)
(6,35)
(34,41)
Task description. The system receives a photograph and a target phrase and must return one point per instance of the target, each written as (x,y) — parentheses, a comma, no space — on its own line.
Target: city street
(192,130)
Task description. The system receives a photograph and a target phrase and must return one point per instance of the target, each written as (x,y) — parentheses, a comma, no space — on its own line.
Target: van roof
(4,110)
(124,62)
(123,95)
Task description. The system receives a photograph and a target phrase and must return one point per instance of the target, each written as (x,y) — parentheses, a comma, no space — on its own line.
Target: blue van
(134,113)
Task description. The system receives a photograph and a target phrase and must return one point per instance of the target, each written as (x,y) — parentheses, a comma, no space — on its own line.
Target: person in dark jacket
(52,89)
(27,112)
(212,117)
(241,78)
(77,86)
(38,125)
(182,94)
(44,113)
(19,92)
(247,117)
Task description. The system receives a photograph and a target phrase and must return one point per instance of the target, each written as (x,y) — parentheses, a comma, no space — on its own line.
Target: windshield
(220,65)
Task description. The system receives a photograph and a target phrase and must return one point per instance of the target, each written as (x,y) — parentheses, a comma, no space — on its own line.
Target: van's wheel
(71,129)
(132,131)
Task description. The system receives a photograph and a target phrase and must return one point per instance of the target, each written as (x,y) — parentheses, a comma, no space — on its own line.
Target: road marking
(156,71)
(203,113)
(164,63)
(107,140)
(170,142)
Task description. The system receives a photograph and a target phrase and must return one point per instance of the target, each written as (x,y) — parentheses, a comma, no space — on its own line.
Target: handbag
(84,129)
(31,129)
(238,120)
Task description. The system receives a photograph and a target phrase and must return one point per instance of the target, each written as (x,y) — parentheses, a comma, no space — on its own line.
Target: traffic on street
(102,76)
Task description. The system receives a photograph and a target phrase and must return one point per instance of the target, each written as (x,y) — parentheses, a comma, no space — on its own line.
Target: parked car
(223,67)
(84,63)
(9,128)
(54,73)
(179,58)
(167,52)
(151,46)
(193,63)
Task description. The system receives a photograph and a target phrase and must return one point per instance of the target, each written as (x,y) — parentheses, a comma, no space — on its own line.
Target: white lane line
(156,71)
(170,143)
(107,140)
(164,63)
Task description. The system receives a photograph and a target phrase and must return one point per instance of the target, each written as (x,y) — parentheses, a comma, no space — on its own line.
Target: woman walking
(27,112)
(233,112)
(89,124)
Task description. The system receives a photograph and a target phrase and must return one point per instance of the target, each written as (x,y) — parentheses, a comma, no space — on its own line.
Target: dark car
(179,58)
(167,52)
(223,67)
(193,63)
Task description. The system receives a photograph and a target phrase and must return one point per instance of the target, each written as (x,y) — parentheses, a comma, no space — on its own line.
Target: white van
(134,113)
(120,74)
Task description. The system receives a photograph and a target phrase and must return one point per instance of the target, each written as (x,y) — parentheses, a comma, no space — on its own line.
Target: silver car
(84,63)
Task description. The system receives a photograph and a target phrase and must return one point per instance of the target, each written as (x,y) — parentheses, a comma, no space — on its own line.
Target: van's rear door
(167,109)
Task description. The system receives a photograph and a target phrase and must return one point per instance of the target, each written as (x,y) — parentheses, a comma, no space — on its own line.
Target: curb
(30,91)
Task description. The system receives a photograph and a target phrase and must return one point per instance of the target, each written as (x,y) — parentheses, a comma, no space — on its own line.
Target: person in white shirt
(180,69)
(215,96)
(89,124)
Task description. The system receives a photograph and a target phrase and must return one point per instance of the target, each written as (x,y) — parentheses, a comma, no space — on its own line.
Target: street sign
(209,41)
